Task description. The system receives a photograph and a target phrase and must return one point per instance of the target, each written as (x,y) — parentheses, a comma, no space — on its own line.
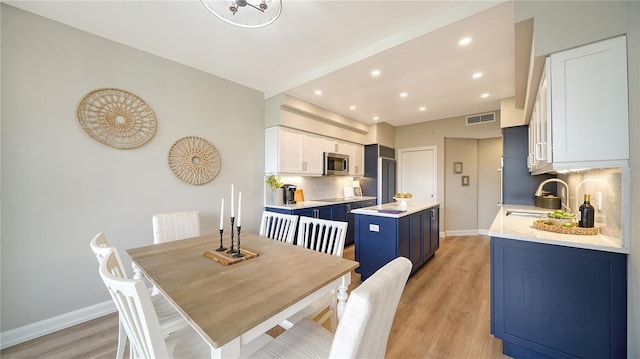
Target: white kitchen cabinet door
(589,103)
(336,146)
(356,160)
(312,154)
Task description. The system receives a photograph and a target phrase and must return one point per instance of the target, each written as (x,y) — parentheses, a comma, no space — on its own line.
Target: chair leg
(122,341)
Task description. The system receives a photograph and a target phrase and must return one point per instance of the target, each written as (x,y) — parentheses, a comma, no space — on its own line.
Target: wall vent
(481,118)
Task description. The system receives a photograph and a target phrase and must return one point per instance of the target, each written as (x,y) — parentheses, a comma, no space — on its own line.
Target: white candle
(231,201)
(221,214)
(239,208)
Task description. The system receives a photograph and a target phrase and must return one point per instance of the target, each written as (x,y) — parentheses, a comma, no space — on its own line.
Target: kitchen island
(556,295)
(385,232)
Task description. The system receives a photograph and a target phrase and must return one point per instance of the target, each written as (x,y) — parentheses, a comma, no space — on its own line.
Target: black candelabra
(231,250)
(238,254)
(221,248)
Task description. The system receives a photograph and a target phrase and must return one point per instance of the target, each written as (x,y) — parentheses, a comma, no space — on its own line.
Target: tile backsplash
(320,187)
(607,190)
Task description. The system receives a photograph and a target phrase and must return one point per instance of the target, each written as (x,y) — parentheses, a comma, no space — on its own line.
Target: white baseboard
(469,232)
(47,326)
(484,232)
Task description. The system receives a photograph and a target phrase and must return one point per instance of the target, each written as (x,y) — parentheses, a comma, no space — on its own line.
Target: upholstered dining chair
(140,321)
(170,320)
(278,226)
(364,329)
(176,225)
(327,237)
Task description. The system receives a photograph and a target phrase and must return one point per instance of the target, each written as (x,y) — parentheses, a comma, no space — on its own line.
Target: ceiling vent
(481,118)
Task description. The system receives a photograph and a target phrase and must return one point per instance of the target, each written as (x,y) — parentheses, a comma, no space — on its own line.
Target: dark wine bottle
(587,213)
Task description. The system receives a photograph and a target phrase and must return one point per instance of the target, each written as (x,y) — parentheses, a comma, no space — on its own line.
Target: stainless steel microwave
(336,164)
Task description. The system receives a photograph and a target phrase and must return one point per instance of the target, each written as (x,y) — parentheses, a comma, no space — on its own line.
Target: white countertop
(521,228)
(320,203)
(413,206)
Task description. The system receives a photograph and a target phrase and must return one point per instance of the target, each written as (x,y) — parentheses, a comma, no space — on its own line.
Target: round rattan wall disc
(116,118)
(194,160)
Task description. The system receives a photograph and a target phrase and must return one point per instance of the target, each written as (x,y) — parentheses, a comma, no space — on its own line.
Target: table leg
(229,350)
(342,295)
(137,274)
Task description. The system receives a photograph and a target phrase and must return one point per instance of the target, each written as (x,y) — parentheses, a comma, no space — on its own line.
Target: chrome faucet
(539,191)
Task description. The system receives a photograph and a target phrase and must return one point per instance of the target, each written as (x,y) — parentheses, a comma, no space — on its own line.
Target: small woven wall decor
(194,160)
(116,118)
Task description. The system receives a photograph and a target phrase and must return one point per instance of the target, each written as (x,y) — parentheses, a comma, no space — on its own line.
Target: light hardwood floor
(444,312)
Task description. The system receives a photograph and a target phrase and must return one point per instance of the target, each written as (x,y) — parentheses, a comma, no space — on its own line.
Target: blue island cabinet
(550,301)
(380,239)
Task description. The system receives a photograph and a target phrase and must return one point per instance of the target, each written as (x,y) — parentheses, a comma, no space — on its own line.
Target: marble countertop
(395,210)
(521,228)
(319,203)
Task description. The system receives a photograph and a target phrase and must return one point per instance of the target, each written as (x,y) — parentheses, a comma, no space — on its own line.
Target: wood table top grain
(223,302)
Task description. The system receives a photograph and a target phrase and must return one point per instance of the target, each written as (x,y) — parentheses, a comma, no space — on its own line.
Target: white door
(417,172)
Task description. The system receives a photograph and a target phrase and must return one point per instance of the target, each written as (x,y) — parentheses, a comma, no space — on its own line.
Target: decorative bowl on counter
(403,201)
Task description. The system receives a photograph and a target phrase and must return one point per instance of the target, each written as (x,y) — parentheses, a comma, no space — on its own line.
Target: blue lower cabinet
(379,240)
(550,301)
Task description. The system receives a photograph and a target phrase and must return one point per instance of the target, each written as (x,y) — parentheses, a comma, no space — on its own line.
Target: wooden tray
(227,259)
(539,224)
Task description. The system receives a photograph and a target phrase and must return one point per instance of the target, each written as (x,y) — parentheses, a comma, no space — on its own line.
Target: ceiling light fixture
(376,118)
(465,41)
(404,94)
(484,95)
(477,75)
(422,108)
(245,13)
(375,73)
(352,107)
(318,92)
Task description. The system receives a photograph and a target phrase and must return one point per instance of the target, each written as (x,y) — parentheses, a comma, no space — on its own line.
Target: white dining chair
(322,235)
(278,226)
(176,225)
(140,321)
(170,320)
(327,237)
(364,329)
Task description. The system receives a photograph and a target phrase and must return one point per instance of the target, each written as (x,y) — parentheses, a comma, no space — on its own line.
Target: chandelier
(245,13)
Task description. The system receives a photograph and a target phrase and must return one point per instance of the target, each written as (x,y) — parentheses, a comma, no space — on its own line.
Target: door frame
(434,150)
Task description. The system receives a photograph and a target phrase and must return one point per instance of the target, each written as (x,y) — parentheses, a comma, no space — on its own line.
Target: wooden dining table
(232,305)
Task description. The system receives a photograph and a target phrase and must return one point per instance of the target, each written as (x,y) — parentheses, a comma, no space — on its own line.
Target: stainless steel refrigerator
(379,173)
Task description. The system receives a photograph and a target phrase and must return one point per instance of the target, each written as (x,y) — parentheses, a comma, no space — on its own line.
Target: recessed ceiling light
(352,107)
(464,41)
(484,95)
(318,92)
(422,108)
(477,75)
(404,94)
(375,73)
(376,118)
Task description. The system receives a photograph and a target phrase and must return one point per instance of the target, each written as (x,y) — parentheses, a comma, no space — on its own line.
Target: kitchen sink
(525,214)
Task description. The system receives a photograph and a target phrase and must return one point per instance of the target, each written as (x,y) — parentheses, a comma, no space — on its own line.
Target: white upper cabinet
(589,121)
(356,160)
(289,151)
(336,146)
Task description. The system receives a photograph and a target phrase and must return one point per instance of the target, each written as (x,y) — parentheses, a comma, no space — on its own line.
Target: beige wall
(460,202)
(489,155)
(597,20)
(433,133)
(59,188)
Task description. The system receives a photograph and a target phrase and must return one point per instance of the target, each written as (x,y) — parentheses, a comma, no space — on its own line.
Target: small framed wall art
(457,167)
(465,180)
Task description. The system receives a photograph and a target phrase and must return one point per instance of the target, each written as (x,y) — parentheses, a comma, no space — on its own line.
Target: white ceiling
(328,45)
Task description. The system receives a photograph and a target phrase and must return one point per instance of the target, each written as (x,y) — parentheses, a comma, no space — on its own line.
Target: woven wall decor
(194,160)
(116,118)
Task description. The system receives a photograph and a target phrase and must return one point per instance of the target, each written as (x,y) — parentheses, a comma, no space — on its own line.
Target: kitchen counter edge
(413,206)
(316,203)
(521,228)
